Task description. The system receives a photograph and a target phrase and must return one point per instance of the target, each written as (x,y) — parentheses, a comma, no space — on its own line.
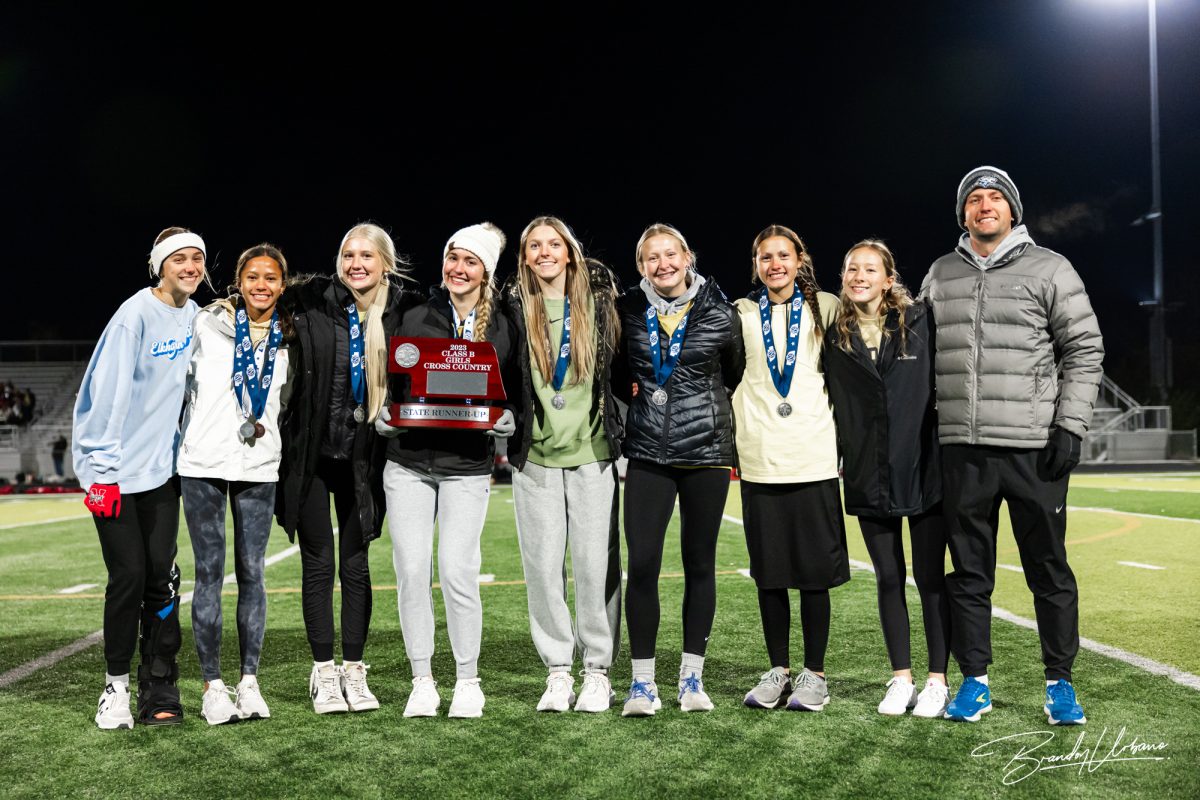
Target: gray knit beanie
(989,178)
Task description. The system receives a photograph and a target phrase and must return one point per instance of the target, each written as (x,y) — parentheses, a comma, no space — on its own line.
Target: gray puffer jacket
(1018,346)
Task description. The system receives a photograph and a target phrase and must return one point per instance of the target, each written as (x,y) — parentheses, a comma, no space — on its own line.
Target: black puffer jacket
(446,451)
(604,290)
(695,427)
(886,419)
(317,307)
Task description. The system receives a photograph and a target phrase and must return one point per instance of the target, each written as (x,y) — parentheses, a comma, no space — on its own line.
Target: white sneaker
(354,687)
(218,707)
(424,699)
(559,694)
(325,688)
(468,699)
(112,713)
(901,696)
(692,696)
(250,700)
(932,701)
(597,694)
(643,699)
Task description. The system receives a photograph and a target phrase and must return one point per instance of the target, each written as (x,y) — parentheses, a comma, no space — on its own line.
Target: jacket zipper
(978,356)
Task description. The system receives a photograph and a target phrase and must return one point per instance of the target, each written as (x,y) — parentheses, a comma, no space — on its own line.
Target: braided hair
(804,270)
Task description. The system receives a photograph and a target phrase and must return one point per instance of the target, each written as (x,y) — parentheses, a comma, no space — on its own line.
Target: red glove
(104,500)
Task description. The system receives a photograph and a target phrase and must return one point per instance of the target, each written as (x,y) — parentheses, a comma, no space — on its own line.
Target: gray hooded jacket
(1018,346)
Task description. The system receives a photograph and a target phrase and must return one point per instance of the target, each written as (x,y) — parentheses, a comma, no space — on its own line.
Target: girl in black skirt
(879,357)
(787,461)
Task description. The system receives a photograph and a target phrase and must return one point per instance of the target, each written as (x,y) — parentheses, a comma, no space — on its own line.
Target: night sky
(840,123)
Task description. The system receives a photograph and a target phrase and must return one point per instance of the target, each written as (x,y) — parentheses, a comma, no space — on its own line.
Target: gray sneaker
(771,690)
(811,693)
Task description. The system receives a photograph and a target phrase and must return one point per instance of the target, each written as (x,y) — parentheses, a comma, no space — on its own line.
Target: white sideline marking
(1010,568)
(44,521)
(77,588)
(745,573)
(1133,514)
(486,577)
(1133,659)
(1139,565)
(96,637)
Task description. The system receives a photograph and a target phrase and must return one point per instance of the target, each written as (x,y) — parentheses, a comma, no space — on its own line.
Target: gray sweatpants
(204,508)
(575,507)
(458,503)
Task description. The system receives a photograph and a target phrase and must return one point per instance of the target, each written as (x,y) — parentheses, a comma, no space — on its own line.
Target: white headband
(485,242)
(172,244)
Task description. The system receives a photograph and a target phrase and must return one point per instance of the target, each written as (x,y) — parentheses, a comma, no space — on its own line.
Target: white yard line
(1133,514)
(77,588)
(486,577)
(1010,568)
(44,521)
(1139,565)
(95,637)
(1133,659)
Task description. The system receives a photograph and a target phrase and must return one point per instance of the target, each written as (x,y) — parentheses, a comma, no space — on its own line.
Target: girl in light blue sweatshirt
(126,435)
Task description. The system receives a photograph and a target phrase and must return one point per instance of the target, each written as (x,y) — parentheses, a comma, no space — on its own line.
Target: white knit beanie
(485,240)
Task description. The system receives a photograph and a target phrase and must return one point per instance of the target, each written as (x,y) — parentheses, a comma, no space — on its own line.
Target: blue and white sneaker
(1061,706)
(643,700)
(973,699)
(692,696)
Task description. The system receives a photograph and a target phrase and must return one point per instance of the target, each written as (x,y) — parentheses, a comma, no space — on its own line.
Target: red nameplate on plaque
(453,383)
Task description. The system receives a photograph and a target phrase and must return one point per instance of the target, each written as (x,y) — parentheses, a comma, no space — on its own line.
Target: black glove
(1061,454)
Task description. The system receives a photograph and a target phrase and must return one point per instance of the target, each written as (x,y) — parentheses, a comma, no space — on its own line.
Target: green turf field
(50,747)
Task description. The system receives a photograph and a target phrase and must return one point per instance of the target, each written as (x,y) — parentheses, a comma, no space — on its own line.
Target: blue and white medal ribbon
(663,367)
(564,358)
(358,362)
(782,379)
(251,377)
(463,328)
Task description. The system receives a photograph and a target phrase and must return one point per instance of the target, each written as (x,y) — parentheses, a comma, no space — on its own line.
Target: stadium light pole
(1160,364)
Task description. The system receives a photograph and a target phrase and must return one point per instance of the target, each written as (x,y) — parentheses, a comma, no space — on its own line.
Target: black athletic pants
(775,608)
(886,546)
(139,548)
(650,492)
(315,533)
(975,480)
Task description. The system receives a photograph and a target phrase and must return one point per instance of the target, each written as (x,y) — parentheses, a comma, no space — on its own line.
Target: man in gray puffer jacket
(1018,367)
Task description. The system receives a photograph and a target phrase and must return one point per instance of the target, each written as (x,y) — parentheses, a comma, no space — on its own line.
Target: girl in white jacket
(231,447)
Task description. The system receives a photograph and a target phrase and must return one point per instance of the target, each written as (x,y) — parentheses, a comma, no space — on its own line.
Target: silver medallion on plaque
(407,355)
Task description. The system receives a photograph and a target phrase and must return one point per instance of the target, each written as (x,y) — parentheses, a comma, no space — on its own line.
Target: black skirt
(795,534)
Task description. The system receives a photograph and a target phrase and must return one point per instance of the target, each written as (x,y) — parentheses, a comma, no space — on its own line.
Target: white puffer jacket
(211,446)
(1018,346)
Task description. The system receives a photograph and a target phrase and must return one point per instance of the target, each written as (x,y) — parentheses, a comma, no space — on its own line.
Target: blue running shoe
(1061,706)
(973,699)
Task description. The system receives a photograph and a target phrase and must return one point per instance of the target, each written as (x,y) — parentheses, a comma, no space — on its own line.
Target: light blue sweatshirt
(127,413)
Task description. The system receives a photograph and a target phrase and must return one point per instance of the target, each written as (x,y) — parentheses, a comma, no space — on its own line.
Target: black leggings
(315,533)
(886,546)
(139,549)
(775,608)
(650,492)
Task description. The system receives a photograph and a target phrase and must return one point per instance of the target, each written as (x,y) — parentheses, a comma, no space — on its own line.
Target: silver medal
(246,430)
(559,402)
(784,409)
(359,414)
(659,398)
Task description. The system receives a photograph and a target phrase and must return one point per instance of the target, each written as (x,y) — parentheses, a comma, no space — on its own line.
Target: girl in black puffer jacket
(444,476)
(681,358)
